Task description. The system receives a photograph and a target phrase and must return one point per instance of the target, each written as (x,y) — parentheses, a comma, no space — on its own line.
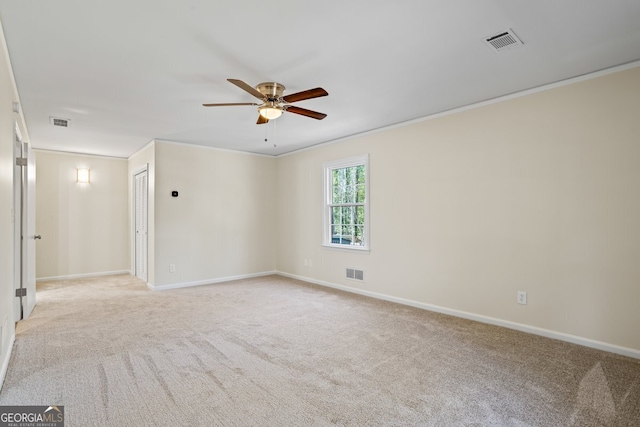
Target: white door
(140,220)
(24,226)
(29,233)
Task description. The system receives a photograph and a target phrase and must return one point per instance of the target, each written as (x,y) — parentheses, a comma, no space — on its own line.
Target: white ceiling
(126,72)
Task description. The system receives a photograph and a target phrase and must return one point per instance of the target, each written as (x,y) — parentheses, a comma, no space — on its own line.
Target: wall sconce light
(83,176)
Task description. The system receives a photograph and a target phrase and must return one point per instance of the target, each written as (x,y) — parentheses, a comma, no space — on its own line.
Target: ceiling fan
(273,103)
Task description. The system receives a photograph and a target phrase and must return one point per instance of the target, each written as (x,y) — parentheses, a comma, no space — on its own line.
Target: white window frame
(328,168)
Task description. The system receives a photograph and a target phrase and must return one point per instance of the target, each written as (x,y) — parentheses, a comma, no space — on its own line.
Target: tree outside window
(346,210)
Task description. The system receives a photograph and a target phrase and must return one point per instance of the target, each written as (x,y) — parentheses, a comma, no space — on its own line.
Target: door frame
(18,194)
(24,227)
(134,252)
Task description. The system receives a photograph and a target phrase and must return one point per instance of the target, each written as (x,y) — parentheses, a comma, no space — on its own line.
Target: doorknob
(37,237)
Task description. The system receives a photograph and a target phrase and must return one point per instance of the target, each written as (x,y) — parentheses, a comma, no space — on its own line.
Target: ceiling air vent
(505,40)
(59,122)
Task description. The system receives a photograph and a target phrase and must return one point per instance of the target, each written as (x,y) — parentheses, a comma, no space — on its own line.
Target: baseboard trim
(7,358)
(209,281)
(82,276)
(586,342)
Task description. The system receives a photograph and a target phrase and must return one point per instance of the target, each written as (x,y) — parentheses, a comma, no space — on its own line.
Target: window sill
(347,248)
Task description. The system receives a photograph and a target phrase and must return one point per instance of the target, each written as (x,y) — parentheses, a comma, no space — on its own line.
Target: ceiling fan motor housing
(271,90)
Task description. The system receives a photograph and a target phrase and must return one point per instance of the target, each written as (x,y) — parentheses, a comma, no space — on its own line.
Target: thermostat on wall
(174,194)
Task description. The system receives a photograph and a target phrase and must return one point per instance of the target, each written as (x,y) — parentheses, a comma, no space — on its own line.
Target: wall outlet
(522,297)
(306,262)
(310,262)
(172,268)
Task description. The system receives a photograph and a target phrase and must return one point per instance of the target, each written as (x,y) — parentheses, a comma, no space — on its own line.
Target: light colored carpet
(277,352)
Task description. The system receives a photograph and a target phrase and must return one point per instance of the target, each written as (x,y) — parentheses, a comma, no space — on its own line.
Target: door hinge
(21,292)
(21,161)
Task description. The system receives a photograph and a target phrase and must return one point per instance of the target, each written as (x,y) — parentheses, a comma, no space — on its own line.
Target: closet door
(140,213)
(24,217)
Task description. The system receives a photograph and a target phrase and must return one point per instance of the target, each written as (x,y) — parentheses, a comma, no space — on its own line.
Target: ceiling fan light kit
(273,101)
(270,112)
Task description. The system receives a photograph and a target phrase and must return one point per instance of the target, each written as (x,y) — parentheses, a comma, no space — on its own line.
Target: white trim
(209,281)
(82,276)
(144,168)
(76,154)
(7,358)
(346,248)
(514,95)
(144,147)
(586,342)
(16,129)
(16,95)
(226,150)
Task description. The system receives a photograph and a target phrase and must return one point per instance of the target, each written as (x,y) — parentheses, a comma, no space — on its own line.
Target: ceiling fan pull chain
(274,134)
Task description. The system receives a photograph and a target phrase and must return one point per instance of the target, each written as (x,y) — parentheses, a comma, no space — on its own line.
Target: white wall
(540,193)
(84,227)
(222,225)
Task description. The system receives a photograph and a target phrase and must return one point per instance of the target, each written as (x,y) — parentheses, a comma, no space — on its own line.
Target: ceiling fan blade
(305,94)
(229,104)
(261,120)
(305,112)
(242,85)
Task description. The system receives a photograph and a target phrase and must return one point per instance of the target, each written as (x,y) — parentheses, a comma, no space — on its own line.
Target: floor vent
(59,122)
(354,274)
(505,40)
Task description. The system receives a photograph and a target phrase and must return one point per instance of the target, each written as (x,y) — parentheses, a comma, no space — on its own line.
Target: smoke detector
(504,40)
(56,121)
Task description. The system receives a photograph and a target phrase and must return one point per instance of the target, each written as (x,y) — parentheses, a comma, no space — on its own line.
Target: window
(346,203)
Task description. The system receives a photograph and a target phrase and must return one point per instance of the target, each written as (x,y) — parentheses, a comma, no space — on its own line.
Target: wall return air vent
(505,40)
(355,274)
(56,121)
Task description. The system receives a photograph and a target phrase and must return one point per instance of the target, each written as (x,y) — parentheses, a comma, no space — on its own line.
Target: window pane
(358,235)
(338,194)
(349,195)
(338,236)
(336,217)
(359,215)
(360,174)
(349,231)
(360,193)
(336,232)
(338,186)
(343,240)
(347,217)
(348,185)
